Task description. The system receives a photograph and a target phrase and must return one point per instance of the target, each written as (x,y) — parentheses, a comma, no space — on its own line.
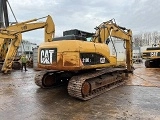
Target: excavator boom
(31,25)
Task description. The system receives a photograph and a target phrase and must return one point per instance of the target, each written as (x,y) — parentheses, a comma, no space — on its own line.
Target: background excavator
(86,66)
(11,38)
(152,57)
(9,46)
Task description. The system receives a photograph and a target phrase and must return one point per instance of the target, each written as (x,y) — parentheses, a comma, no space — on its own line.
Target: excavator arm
(5,36)
(15,39)
(10,51)
(111,29)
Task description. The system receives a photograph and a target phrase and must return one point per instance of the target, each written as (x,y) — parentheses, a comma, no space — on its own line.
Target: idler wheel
(86,88)
(49,81)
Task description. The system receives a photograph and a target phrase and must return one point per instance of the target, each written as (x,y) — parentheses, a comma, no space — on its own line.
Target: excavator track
(38,78)
(1,67)
(80,86)
(152,63)
(50,78)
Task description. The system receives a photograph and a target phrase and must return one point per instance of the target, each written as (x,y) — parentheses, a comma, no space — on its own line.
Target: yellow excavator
(9,46)
(152,57)
(86,66)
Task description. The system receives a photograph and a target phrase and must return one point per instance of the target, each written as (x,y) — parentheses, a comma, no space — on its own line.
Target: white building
(137,52)
(27,48)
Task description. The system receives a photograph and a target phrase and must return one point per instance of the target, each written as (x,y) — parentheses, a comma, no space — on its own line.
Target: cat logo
(153,54)
(46,56)
(102,60)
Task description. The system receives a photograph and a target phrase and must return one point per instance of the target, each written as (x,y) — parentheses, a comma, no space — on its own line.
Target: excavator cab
(70,37)
(78,33)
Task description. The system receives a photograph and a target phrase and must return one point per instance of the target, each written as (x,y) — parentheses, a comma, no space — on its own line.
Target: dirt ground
(138,99)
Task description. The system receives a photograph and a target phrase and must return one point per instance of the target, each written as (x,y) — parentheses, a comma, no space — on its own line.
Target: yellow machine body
(82,54)
(72,55)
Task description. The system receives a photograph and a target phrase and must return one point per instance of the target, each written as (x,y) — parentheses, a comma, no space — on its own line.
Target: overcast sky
(137,15)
